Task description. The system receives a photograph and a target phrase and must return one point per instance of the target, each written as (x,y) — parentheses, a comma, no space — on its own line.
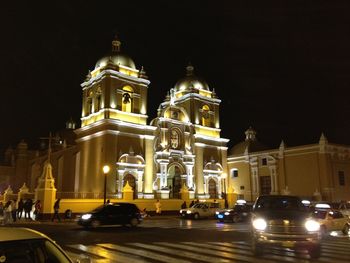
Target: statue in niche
(174,139)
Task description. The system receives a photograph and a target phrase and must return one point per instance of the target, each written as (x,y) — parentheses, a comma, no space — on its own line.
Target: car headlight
(217,212)
(181,211)
(259,224)
(188,212)
(312,225)
(86,216)
(227,213)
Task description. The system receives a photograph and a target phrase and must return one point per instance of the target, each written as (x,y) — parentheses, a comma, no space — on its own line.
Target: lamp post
(105,172)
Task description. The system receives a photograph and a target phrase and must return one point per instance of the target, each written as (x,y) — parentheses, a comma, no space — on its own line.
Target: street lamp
(105,172)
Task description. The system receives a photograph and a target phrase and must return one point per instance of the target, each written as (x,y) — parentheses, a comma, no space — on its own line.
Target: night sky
(282,67)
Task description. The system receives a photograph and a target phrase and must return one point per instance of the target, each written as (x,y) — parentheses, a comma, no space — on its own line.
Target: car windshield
(319,214)
(278,203)
(31,250)
(98,209)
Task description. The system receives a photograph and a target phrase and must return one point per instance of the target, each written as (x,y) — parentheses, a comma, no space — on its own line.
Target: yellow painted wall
(243,179)
(302,173)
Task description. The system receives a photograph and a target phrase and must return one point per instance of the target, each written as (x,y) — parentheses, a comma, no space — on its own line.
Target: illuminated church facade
(179,149)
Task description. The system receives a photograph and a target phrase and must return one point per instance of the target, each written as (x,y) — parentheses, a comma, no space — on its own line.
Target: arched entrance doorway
(132,182)
(174,181)
(213,193)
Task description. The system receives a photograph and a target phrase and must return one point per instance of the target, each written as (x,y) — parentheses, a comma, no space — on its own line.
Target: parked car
(331,220)
(200,210)
(283,221)
(27,245)
(239,213)
(112,214)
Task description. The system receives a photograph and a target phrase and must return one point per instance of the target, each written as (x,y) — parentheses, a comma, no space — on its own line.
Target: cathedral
(180,148)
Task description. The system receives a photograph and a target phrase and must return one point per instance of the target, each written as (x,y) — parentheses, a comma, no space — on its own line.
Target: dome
(116,57)
(191,81)
(250,143)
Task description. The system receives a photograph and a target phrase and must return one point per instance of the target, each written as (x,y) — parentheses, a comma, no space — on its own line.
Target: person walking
(192,203)
(184,205)
(158,206)
(28,204)
(37,209)
(20,208)
(14,210)
(8,212)
(56,209)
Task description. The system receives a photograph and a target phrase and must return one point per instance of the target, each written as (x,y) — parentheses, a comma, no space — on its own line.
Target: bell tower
(115,89)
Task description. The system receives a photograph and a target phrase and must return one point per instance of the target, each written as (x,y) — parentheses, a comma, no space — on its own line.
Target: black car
(238,213)
(283,221)
(112,214)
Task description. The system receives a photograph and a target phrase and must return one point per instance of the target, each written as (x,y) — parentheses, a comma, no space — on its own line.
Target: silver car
(27,245)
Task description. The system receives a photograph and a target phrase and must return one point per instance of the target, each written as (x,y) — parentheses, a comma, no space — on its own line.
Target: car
(344,208)
(331,220)
(112,214)
(283,221)
(239,213)
(27,245)
(200,210)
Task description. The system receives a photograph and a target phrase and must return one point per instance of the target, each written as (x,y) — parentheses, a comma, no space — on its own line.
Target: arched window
(205,115)
(127,99)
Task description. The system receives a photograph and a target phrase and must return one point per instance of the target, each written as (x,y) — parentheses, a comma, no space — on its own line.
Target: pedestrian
(8,212)
(28,204)
(37,209)
(20,208)
(56,208)
(2,213)
(192,203)
(226,204)
(158,206)
(197,201)
(184,205)
(14,210)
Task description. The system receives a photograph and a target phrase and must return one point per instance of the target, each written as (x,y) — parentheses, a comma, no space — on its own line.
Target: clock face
(174,139)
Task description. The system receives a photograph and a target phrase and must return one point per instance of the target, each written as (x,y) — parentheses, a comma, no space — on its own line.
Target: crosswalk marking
(333,250)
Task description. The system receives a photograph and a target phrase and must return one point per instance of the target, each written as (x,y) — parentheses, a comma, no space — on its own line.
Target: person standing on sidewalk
(37,210)
(56,209)
(14,210)
(158,206)
(8,212)
(20,209)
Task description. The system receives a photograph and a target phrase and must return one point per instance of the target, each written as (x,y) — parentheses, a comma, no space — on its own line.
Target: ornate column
(120,184)
(139,184)
(255,181)
(189,168)
(274,186)
(148,180)
(199,170)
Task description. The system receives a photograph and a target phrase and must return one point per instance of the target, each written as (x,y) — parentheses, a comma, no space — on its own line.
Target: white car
(332,220)
(345,208)
(27,245)
(200,210)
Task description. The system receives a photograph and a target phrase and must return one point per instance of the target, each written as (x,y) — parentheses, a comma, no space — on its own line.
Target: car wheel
(346,229)
(134,222)
(257,248)
(315,252)
(196,216)
(95,223)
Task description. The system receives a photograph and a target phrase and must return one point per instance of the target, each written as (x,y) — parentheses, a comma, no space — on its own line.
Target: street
(171,239)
